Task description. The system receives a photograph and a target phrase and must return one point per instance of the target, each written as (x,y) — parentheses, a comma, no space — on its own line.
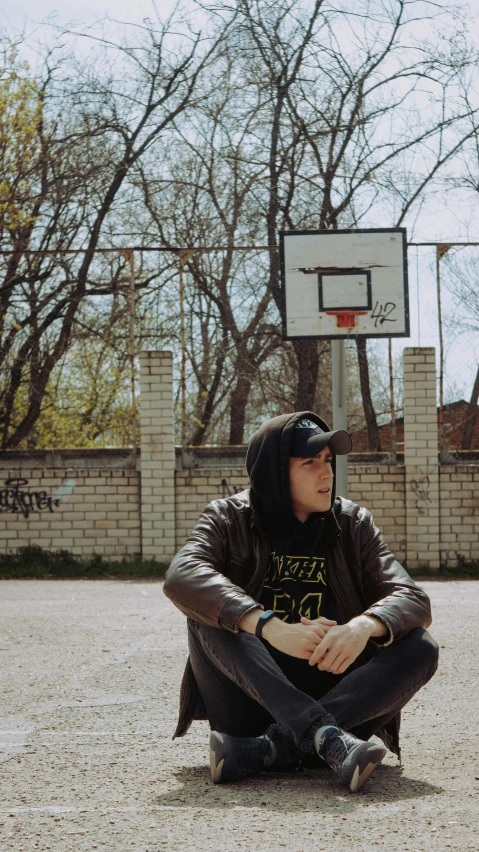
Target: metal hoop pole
(185,256)
(340,416)
(394,456)
(441,250)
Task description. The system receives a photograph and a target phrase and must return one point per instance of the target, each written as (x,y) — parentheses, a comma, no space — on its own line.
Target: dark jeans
(246,685)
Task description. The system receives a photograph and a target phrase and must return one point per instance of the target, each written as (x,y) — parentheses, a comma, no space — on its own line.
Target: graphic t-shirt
(296,581)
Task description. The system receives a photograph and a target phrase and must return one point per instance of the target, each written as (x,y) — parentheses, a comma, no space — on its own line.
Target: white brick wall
(459,487)
(380,488)
(157,456)
(421,458)
(197,487)
(98,511)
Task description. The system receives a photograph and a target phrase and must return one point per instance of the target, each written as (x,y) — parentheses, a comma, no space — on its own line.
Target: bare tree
(279,42)
(462,280)
(291,116)
(210,202)
(359,116)
(93,128)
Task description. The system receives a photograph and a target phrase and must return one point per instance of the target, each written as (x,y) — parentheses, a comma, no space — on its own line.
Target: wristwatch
(262,621)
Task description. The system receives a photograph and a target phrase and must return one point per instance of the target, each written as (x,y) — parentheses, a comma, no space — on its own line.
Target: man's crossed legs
(249,689)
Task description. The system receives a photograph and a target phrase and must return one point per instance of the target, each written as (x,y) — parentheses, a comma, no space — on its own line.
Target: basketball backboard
(345,283)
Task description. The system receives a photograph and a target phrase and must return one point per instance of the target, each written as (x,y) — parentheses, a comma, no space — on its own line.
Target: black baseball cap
(309,439)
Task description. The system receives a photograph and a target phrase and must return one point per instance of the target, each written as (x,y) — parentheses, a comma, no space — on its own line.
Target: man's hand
(344,643)
(297,640)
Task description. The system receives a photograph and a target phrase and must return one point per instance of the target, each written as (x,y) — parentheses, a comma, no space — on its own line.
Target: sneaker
(352,759)
(232,758)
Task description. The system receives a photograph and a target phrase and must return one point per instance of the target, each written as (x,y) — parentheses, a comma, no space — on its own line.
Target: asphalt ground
(90,676)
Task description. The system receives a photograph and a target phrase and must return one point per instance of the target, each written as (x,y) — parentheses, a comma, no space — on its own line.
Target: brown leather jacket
(218,576)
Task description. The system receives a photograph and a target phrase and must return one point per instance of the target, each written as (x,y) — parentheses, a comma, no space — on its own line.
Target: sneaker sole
(216,756)
(367,764)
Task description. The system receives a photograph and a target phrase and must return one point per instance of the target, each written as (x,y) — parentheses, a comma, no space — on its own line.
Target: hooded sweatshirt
(296,581)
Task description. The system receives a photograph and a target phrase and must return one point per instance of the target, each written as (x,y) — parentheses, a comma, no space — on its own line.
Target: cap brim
(340,444)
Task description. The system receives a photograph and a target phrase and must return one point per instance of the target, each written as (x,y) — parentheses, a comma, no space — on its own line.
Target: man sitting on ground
(306,635)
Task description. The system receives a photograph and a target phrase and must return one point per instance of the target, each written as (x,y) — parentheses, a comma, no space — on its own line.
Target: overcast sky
(15,12)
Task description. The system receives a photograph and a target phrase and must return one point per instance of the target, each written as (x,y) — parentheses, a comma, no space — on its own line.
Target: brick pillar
(157,456)
(421,458)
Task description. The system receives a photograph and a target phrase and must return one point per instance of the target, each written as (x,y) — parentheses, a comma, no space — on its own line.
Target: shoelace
(336,749)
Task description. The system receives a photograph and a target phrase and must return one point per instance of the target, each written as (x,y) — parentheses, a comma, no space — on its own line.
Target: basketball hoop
(346,319)
(329,278)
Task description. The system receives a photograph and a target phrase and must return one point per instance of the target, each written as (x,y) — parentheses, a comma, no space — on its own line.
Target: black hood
(267,463)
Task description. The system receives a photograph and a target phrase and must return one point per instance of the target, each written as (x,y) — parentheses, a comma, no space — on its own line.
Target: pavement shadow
(306,791)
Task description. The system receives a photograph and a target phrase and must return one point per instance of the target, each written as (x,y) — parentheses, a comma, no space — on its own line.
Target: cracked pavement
(90,673)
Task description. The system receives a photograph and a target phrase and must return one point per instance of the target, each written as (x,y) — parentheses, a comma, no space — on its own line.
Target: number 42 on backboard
(382,313)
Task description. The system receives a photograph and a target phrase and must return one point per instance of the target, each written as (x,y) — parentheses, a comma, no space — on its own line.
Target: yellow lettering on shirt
(310,606)
(286,575)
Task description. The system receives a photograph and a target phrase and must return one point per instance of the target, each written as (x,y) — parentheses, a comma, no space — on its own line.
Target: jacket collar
(332,528)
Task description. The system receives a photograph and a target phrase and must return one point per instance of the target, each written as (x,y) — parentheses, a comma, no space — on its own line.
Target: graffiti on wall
(15,499)
(420,488)
(227,489)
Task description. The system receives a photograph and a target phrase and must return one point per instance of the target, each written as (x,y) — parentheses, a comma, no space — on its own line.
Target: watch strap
(262,621)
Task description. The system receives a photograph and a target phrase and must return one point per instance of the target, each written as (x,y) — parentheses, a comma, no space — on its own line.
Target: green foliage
(34,562)
(467,568)
(20,118)
(87,402)
(464,570)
